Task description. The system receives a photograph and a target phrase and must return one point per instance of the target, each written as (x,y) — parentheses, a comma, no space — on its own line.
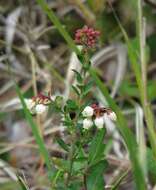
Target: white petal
(88,111)
(87,123)
(40,108)
(29,103)
(112,116)
(99,122)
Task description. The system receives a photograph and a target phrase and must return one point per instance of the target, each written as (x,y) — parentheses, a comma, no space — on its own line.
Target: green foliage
(62,144)
(76,90)
(97,147)
(95,180)
(129,89)
(78,76)
(71,105)
(87,88)
(151,165)
(58,102)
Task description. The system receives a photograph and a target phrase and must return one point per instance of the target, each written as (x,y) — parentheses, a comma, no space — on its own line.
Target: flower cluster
(86,37)
(38,104)
(96,115)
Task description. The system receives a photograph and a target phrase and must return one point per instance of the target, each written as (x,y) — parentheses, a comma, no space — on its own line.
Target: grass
(138,63)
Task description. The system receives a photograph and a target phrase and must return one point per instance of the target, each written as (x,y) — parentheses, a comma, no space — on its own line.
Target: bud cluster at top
(86,37)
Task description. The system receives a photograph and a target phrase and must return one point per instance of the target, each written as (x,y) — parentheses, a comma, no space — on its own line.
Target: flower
(88,111)
(112,116)
(99,122)
(40,108)
(87,123)
(29,103)
(42,99)
(86,36)
(38,104)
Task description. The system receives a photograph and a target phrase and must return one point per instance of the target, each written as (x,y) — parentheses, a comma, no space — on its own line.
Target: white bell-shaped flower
(29,103)
(99,122)
(88,111)
(87,123)
(112,116)
(40,108)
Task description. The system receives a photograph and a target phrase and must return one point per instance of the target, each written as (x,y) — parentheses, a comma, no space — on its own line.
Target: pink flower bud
(86,37)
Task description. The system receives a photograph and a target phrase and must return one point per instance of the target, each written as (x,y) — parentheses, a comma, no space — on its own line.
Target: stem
(71,160)
(85,181)
(143,89)
(73,137)
(55,179)
(120,179)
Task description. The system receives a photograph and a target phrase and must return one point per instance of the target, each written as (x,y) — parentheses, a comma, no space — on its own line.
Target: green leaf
(67,120)
(76,185)
(59,101)
(75,90)
(62,144)
(78,76)
(151,164)
(71,105)
(95,179)
(96,150)
(80,87)
(78,165)
(87,88)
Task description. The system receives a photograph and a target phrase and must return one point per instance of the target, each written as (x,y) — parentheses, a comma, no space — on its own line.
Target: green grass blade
(140,133)
(142,54)
(35,131)
(95,180)
(134,58)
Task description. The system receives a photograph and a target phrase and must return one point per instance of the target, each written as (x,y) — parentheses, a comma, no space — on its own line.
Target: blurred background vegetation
(27,37)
